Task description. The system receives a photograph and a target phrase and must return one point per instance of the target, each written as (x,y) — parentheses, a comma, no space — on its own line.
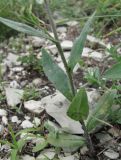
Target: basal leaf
(40,146)
(56,75)
(79,43)
(101,110)
(79,107)
(114,73)
(24,28)
(64,140)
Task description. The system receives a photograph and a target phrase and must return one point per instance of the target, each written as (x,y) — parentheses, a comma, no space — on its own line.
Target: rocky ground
(27,98)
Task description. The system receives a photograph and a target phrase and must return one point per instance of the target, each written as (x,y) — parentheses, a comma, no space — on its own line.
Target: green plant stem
(88,139)
(60,50)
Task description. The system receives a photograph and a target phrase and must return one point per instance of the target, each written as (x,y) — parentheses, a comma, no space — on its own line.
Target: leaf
(65,140)
(14,154)
(79,43)
(56,75)
(40,146)
(79,107)
(113,73)
(21,144)
(24,28)
(101,111)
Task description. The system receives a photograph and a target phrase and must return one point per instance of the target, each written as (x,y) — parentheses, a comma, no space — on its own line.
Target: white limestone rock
(13,96)
(34,106)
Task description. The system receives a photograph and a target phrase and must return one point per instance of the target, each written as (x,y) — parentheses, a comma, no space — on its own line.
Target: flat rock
(26,124)
(111,154)
(13,96)
(57,106)
(34,106)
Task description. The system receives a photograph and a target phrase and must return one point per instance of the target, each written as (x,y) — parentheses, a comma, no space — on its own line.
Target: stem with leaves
(60,50)
(69,74)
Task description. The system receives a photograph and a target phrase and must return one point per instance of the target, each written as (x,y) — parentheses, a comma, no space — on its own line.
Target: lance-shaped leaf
(58,138)
(24,28)
(78,46)
(65,140)
(79,107)
(56,75)
(101,110)
(114,73)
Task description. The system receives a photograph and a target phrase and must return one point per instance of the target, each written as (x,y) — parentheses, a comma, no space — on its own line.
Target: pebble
(67,45)
(37,82)
(11,60)
(5,120)
(3,112)
(36,121)
(61,29)
(14,84)
(47,153)
(111,154)
(15,119)
(1,129)
(13,96)
(26,124)
(27,157)
(34,106)
(17,69)
(37,42)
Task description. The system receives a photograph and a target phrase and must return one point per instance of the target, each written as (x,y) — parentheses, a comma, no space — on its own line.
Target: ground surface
(24,87)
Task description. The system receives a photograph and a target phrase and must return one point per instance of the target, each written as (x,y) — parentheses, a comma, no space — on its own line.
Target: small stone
(3,112)
(15,119)
(26,124)
(52,49)
(34,106)
(114,132)
(61,29)
(111,154)
(84,150)
(14,84)
(37,42)
(37,82)
(36,121)
(27,157)
(5,120)
(17,69)
(13,96)
(12,59)
(72,23)
(47,153)
(67,45)
(97,56)
(1,129)
(103,137)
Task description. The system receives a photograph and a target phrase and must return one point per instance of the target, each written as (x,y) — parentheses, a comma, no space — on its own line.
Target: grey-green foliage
(101,110)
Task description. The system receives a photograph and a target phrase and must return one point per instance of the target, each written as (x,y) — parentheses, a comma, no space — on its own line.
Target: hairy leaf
(56,75)
(114,73)
(40,146)
(64,140)
(79,107)
(78,46)
(101,110)
(24,28)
